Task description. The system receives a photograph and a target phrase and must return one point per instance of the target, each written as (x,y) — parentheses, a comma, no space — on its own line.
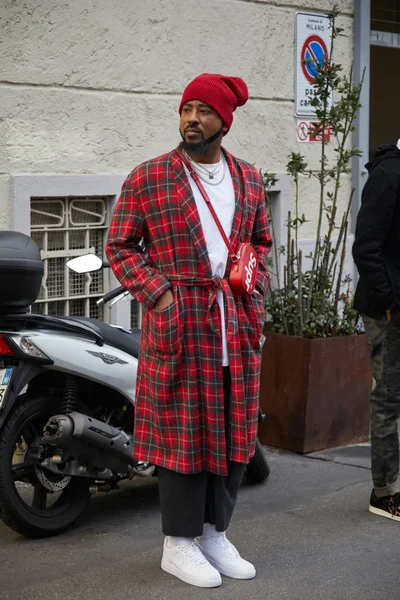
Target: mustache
(193,129)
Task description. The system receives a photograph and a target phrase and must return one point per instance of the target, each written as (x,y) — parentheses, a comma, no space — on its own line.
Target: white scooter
(67,389)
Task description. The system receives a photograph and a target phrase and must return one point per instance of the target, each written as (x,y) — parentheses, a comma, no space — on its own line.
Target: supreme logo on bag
(244,272)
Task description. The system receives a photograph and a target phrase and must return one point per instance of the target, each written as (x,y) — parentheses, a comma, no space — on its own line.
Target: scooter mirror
(85,263)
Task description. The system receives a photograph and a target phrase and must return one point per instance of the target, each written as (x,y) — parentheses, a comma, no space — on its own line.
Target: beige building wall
(93,87)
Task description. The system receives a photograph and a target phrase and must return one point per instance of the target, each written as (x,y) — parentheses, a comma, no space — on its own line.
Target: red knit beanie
(220,92)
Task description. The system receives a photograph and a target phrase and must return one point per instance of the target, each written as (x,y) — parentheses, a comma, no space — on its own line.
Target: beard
(202,146)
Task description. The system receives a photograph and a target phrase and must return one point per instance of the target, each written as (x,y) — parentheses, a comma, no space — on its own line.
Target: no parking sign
(313,41)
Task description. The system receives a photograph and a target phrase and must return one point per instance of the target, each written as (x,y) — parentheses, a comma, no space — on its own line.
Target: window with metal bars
(64,228)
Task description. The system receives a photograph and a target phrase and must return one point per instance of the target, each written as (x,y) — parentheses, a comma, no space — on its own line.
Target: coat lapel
(190,212)
(239,199)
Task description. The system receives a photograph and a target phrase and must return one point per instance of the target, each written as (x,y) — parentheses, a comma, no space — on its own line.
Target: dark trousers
(189,501)
(384,339)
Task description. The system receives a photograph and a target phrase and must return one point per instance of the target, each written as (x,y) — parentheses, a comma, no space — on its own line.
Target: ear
(225,129)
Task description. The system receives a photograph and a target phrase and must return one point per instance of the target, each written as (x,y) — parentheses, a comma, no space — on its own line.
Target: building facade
(90,89)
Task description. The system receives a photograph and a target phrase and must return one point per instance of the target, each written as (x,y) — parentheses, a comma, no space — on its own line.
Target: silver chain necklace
(211,173)
(202,171)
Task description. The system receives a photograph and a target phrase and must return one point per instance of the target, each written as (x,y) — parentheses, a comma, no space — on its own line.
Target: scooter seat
(127,341)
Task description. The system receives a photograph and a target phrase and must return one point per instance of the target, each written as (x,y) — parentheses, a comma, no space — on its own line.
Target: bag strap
(207,200)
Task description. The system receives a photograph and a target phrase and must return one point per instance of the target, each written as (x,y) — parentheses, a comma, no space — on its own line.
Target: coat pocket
(255,310)
(164,329)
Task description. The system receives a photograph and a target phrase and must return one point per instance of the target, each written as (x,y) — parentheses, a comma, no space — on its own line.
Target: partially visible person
(376,252)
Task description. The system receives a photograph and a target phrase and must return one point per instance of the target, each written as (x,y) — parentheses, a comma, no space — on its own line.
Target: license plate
(5,378)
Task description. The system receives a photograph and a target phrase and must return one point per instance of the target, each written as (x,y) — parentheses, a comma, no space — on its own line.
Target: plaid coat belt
(214,283)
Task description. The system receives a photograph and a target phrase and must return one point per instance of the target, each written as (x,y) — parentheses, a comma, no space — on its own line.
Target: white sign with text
(313,42)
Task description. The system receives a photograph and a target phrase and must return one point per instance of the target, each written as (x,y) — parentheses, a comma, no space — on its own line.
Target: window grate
(64,228)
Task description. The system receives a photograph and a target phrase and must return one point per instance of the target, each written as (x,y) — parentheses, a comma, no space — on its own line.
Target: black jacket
(376,248)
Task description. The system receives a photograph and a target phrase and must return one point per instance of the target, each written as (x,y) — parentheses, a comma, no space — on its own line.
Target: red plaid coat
(179,415)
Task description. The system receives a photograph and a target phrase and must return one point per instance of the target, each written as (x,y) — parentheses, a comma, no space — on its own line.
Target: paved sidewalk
(307,530)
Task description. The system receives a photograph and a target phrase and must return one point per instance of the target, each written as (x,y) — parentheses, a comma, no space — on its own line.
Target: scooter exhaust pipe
(60,429)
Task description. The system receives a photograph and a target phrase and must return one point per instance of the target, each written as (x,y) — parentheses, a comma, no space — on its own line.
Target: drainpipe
(362,34)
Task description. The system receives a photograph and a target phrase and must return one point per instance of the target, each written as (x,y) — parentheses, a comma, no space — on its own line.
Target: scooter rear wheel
(35,502)
(258,467)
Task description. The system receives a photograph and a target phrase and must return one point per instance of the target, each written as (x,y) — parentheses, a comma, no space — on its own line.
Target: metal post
(362,34)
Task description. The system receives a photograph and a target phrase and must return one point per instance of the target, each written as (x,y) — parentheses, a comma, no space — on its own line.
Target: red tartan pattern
(179,414)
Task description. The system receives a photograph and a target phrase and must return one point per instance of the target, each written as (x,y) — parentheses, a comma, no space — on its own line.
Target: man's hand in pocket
(164,300)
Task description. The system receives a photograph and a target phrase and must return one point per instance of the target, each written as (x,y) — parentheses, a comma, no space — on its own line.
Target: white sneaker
(183,558)
(223,555)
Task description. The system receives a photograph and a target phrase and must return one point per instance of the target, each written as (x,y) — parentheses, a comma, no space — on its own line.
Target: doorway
(384,73)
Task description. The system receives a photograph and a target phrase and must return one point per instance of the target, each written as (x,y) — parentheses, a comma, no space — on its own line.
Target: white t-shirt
(222,197)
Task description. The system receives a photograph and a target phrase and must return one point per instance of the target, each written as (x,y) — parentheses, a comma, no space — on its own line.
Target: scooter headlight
(28,347)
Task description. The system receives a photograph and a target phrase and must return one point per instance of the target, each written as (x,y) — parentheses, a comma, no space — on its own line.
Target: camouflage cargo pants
(384,338)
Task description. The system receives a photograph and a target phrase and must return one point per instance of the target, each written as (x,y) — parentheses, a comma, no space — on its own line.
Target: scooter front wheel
(33,501)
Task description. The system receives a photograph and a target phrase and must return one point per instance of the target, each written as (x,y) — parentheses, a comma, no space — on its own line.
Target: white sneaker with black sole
(222,554)
(183,558)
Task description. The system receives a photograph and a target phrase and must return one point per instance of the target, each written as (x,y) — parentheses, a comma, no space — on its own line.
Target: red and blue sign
(314,53)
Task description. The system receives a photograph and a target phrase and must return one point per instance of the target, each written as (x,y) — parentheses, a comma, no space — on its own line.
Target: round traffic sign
(314,53)
(302,131)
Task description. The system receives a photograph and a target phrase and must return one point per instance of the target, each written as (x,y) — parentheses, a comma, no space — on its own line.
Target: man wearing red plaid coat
(198,378)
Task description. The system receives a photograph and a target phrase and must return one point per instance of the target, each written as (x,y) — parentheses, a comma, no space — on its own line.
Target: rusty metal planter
(315,393)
